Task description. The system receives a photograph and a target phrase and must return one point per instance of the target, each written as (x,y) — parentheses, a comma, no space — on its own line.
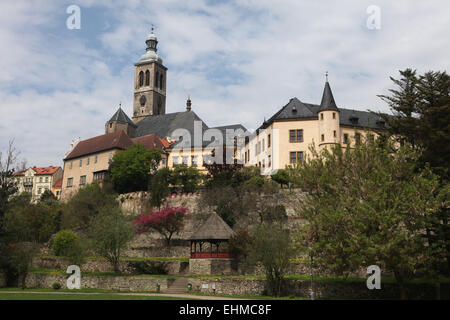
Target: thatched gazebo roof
(214,228)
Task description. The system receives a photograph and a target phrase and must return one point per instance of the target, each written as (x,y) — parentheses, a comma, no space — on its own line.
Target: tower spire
(327,102)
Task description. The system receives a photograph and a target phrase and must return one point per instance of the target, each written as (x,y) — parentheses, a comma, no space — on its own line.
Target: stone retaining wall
(98,265)
(91,282)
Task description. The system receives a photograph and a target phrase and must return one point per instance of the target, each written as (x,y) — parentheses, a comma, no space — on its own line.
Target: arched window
(156,79)
(161,81)
(141,79)
(147,78)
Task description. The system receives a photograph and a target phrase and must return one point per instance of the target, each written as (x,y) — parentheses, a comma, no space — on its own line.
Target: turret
(328,113)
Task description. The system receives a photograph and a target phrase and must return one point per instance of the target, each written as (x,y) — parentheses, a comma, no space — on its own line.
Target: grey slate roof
(165,125)
(121,117)
(328,102)
(214,228)
(295,109)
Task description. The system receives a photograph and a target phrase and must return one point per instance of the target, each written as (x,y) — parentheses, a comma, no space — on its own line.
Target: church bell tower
(149,83)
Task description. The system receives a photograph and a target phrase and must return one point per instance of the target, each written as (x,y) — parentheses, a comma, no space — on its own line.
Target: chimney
(188,104)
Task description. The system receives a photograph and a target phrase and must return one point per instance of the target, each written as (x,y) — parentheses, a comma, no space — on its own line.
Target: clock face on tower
(142,100)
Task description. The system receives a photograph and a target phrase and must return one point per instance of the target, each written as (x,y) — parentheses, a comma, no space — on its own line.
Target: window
(268,141)
(40,179)
(345,137)
(334,133)
(296,156)
(58,192)
(147,78)
(110,125)
(70,165)
(300,135)
(292,137)
(248,157)
(99,175)
(296,135)
(263,145)
(161,81)
(156,79)
(194,160)
(293,157)
(322,137)
(185,160)
(46,179)
(88,161)
(175,161)
(334,115)
(81,163)
(269,164)
(321,116)
(82,180)
(264,163)
(95,159)
(39,190)
(69,182)
(357,137)
(141,79)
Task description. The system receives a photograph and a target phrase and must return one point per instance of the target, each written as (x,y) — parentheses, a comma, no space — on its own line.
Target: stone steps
(178,286)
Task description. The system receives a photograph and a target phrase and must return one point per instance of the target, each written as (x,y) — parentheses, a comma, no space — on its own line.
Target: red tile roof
(115,140)
(151,141)
(58,184)
(46,171)
(39,171)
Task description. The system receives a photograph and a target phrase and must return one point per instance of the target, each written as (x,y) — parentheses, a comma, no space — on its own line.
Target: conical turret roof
(328,102)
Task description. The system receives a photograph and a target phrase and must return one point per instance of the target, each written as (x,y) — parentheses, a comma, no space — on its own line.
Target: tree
(187,177)
(110,232)
(159,187)
(281,177)
(167,221)
(8,187)
(86,204)
(367,206)
(131,168)
(271,246)
(68,244)
(48,197)
(19,259)
(421,117)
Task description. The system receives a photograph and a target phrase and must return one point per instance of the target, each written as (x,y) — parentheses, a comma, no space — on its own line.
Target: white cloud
(239,60)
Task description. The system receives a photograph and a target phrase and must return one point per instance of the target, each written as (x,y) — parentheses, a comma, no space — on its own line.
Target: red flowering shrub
(167,221)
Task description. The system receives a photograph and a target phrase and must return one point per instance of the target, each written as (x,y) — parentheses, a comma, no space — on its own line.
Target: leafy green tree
(86,204)
(30,222)
(270,246)
(110,232)
(367,206)
(19,257)
(421,117)
(281,177)
(48,197)
(67,244)
(159,187)
(131,168)
(187,177)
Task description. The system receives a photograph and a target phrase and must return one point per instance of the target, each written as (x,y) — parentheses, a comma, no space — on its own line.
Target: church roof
(214,228)
(121,117)
(328,102)
(165,124)
(151,141)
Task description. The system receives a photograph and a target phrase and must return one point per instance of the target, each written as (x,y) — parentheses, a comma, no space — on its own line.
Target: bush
(56,285)
(67,244)
(150,267)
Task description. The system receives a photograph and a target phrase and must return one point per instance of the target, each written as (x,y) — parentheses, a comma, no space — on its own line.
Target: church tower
(149,83)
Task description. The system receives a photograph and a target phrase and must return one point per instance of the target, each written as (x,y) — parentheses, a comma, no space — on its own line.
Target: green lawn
(29,295)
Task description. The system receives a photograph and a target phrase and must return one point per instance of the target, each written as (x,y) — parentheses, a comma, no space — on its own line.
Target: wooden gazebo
(213,231)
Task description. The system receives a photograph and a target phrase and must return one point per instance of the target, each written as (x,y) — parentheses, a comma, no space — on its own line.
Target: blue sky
(240,61)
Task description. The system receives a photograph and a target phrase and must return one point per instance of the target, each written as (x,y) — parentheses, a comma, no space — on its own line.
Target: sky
(240,61)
